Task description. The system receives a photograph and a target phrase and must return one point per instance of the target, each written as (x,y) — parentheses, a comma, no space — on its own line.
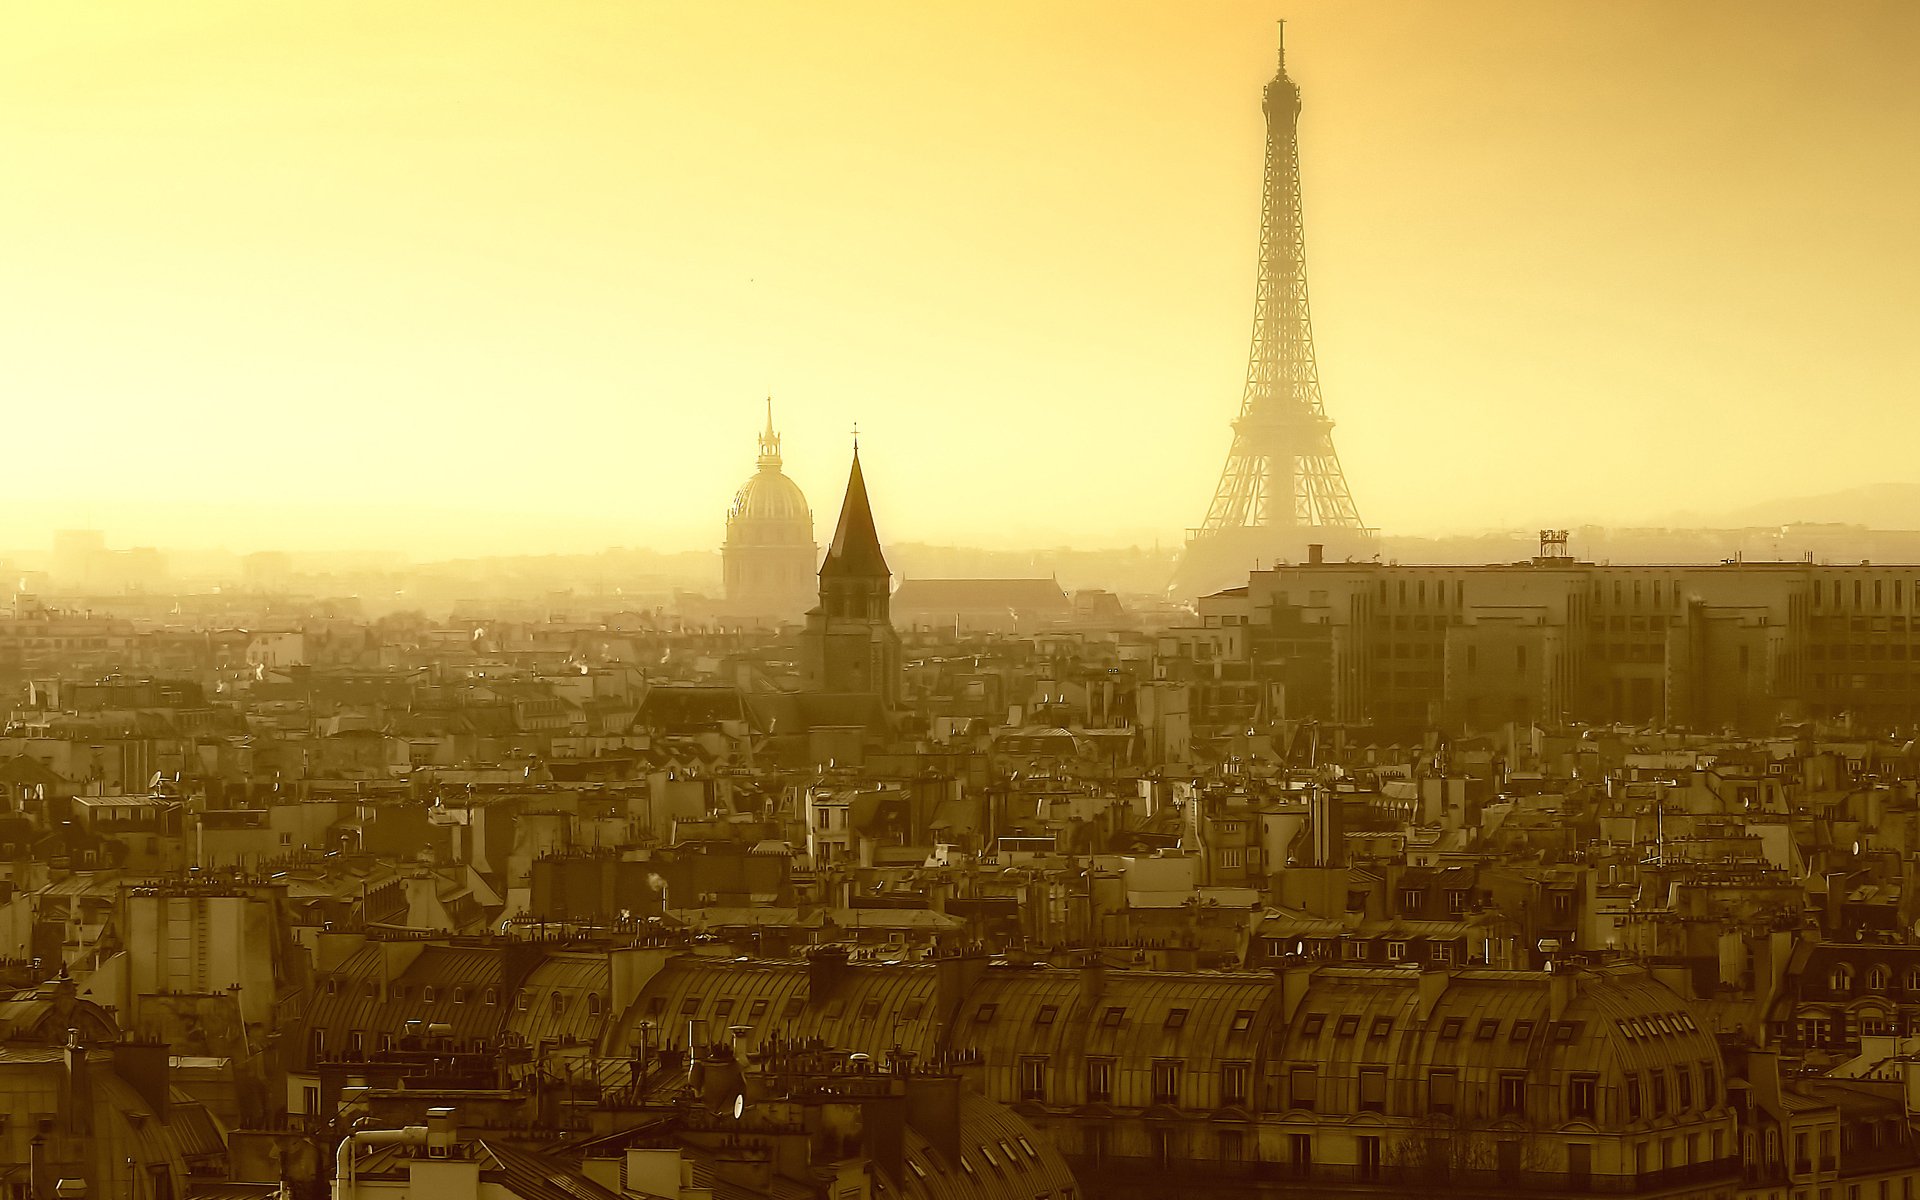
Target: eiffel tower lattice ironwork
(1282,486)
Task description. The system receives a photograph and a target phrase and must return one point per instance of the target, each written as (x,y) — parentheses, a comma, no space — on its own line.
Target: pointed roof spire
(855,549)
(769,443)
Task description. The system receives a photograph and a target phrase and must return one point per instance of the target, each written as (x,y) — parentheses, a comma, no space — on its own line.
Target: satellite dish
(739,1106)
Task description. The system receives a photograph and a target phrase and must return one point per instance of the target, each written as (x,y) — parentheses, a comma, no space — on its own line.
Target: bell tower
(850,644)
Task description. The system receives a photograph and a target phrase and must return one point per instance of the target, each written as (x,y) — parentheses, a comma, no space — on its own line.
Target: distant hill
(1875,505)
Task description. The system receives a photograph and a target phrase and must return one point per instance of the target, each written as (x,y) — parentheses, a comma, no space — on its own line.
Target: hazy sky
(470,276)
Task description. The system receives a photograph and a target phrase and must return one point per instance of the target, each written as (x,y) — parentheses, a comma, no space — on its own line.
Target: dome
(771,496)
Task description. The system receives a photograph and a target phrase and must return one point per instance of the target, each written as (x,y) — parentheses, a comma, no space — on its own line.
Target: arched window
(426,994)
(559,1003)
(1913,979)
(1878,977)
(459,995)
(593,1004)
(493,995)
(1840,979)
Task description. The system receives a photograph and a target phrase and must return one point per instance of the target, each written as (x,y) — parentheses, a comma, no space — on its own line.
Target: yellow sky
(458,277)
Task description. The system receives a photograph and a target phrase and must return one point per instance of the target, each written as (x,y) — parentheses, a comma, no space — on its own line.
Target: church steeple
(850,644)
(855,549)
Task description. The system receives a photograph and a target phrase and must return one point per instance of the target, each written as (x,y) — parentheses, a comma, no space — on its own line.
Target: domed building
(769,560)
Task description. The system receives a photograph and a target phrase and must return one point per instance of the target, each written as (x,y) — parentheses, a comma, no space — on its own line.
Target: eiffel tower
(1282,490)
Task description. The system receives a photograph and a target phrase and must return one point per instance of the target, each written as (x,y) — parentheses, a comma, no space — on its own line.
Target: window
(1112,1017)
(1633,1097)
(1312,1023)
(1099,1080)
(426,994)
(1347,1026)
(1441,953)
(1659,1093)
(1033,1079)
(1581,1093)
(1840,979)
(1046,1014)
(558,1002)
(1176,1019)
(984,1014)
(1300,1153)
(1166,1081)
(1373,1089)
(1442,1090)
(1303,1087)
(1450,1029)
(1356,901)
(459,995)
(1230,1145)
(1382,1026)
(1396,951)
(1242,1021)
(1489,1029)
(1234,1079)
(1878,977)
(1522,1031)
(356,1042)
(1412,900)
(493,995)
(1682,1089)
(869,1009)
(757,1010)
(1232,858)
(1709,1085)
(593,1004)
(1368,1157)
(1513,1094)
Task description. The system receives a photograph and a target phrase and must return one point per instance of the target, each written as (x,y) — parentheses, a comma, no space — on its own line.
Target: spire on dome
(769,443)
(855,549)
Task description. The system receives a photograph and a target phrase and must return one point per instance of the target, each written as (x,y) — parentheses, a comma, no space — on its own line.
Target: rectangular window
(1633,1097)
(1234,1080)
(1513,1094)
(1166,1081)
(1176,1019)
(1033,1079)
(1368,1157)
(1231,1145)
(1112,1017)
(1347,1026)
(1489,1029)
(1582,1091)
(1682,1089)
(1304,1088)
(1300,1153)
(1373,1089)
(1046,1014)
(1442,1088)
(1659,1093)
(1099,1080)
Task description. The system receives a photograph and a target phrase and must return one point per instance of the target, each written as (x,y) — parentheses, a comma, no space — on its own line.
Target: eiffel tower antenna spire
(1282,488)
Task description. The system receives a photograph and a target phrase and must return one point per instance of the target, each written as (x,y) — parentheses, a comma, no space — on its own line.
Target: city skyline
(344,257)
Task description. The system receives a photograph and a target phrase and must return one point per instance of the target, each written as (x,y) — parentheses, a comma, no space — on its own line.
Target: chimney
(443,1133)
(1294,982)
(883,1124)
(826,967)
(146,1066)
(1316,554)
(1093,976)
(1562,986)
(933,1111)
(37,1164)
(954,976)
(1432,985)
(76,1092)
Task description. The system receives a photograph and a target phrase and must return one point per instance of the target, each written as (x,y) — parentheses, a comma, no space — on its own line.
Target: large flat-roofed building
(1735,645)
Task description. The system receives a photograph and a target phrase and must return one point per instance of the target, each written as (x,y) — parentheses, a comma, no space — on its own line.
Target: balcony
(1399,1178)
